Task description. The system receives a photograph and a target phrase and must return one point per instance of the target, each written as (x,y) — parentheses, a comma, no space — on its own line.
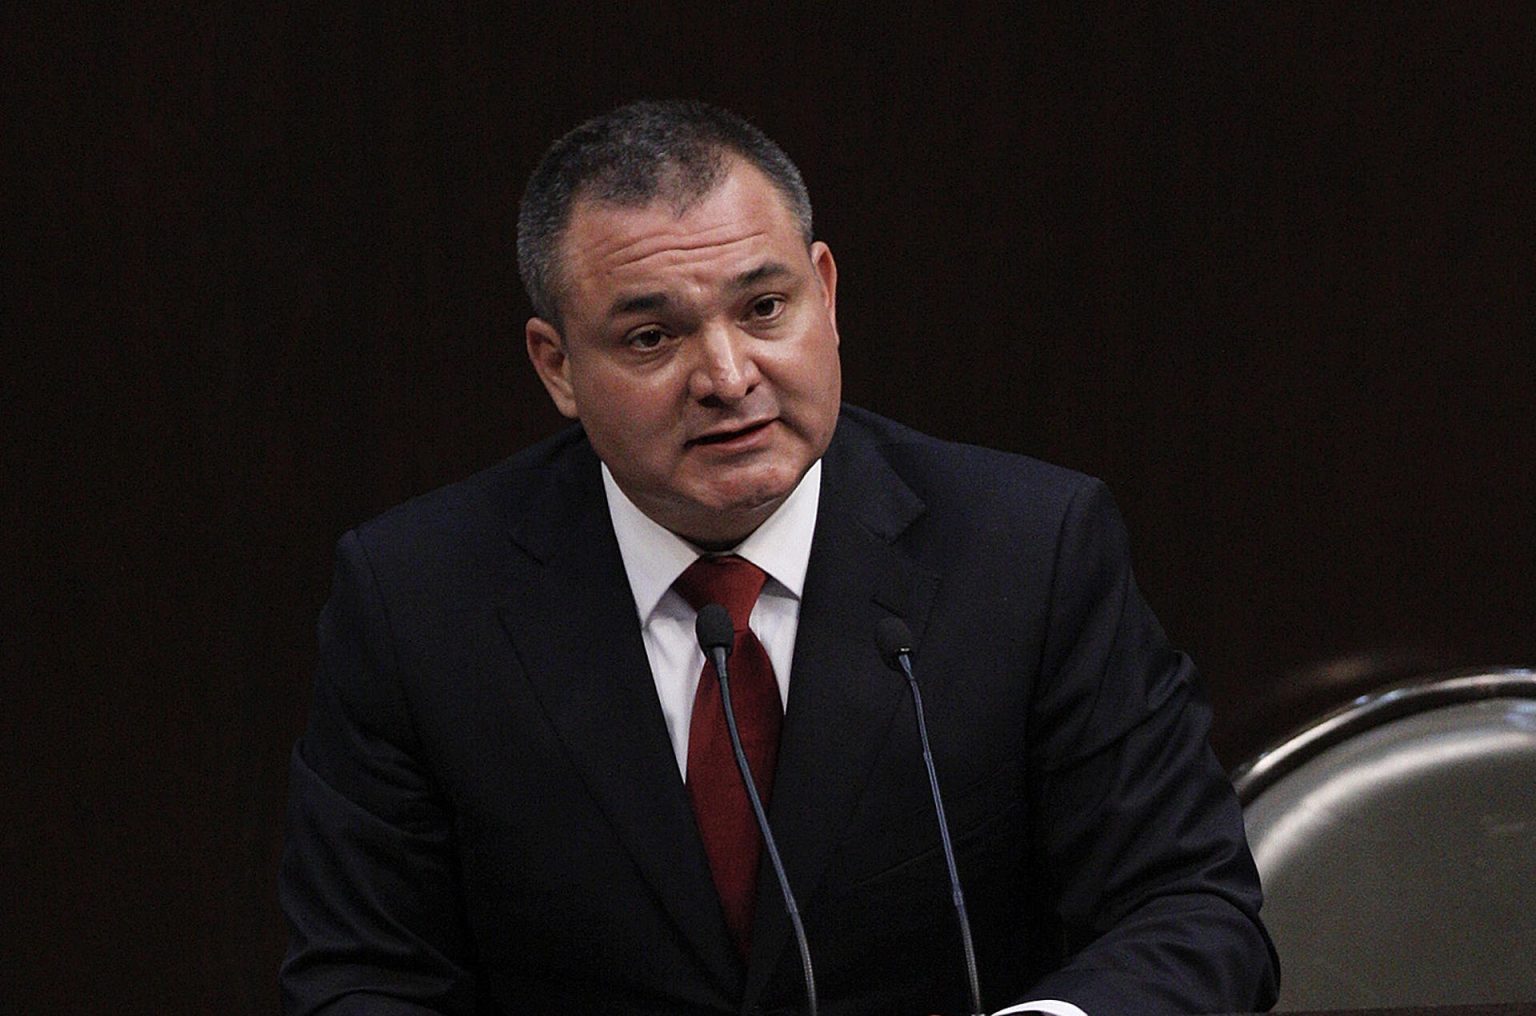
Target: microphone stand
(896,645)
(717,642)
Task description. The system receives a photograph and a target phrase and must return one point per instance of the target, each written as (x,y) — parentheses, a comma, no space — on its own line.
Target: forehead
(610,247)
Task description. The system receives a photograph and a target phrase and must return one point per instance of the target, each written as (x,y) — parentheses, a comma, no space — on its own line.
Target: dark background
(1267,270)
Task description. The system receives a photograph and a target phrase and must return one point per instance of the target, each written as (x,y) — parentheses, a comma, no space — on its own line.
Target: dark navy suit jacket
(486,813)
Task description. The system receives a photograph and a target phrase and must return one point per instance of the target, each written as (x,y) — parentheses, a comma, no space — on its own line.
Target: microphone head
(714,629)
(894,639)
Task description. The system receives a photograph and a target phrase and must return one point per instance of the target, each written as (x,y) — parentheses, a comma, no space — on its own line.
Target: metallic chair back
(1396,839)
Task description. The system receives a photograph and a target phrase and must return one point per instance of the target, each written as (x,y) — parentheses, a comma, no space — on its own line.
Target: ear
(546,350)
(826,272)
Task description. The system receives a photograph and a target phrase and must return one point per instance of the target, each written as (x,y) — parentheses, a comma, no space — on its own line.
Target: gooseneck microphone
(717,636)
(895,642)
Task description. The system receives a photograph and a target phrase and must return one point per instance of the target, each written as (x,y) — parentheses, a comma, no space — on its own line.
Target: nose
(725,370)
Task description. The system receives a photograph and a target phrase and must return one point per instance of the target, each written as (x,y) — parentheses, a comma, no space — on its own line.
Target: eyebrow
(658,301)
(640,302)
(767,270)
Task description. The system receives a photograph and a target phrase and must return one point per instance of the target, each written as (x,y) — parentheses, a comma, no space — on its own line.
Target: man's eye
(646,338)
(767,307)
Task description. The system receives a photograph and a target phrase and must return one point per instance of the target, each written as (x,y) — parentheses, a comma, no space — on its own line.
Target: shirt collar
(654,556)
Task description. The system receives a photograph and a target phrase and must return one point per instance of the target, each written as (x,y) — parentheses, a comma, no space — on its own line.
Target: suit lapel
(842,696)
(574,629)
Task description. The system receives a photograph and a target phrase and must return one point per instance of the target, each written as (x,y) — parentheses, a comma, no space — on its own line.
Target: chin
(764,490)
(720,523)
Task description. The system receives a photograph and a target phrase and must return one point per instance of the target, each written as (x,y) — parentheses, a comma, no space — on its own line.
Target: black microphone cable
(895,641)
(717,636)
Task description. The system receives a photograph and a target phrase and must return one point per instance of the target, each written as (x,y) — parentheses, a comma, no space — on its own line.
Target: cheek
(621,400)
(816,380)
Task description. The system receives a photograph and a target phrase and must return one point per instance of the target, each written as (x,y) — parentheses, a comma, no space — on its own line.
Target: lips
(735,434)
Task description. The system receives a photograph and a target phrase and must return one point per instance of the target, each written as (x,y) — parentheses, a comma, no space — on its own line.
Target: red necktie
(720,804)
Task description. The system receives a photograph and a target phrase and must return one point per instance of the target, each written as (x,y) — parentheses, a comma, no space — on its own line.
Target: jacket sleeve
(367,876)
(1141,833)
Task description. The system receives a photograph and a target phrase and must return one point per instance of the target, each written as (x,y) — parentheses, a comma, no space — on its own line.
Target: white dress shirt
(653,559)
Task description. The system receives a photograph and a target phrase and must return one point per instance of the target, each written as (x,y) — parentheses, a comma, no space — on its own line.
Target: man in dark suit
(511,796)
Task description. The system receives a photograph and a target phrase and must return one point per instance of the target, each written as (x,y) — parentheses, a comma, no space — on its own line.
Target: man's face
(698,351)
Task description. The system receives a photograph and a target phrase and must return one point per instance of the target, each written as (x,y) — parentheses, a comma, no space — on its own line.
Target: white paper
(1044,1007)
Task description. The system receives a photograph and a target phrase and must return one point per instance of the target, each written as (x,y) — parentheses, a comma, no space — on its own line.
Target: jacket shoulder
(475,515)
(951,476)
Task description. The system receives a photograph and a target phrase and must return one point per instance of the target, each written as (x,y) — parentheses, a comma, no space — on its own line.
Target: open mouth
(727,436)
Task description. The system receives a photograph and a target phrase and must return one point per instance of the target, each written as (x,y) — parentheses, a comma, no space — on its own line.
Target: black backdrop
(1268,271)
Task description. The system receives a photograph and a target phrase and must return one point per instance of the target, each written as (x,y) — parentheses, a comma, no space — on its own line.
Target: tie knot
(731,581)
